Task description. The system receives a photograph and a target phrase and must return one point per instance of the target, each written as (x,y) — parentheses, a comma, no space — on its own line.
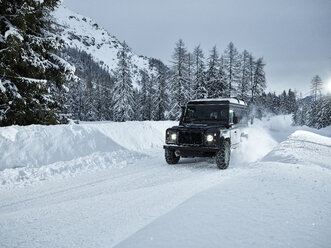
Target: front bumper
(193,151)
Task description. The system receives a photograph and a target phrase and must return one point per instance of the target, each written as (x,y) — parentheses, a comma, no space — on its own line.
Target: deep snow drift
(104,184)
(36,152)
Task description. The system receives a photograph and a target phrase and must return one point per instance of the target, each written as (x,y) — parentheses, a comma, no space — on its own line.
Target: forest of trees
(162,91)
(315,110)
(41,81)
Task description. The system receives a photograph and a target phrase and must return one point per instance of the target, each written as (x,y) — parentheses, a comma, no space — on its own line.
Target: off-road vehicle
(207,128)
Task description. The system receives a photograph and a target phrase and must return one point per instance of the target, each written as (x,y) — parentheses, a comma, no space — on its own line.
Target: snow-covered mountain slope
(84,34)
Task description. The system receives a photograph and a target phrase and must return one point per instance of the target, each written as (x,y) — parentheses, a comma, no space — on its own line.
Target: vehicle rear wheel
(171,157)
(223,156)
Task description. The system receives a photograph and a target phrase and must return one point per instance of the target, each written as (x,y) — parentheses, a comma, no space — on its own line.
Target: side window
(239,116)
(245,116)
(236,115)
(231,116)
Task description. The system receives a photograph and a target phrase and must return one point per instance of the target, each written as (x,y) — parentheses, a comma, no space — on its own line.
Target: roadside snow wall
(35,146)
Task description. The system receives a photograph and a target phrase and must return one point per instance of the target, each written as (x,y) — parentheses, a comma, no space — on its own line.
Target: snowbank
(303,147)
(36,145)
(36,152)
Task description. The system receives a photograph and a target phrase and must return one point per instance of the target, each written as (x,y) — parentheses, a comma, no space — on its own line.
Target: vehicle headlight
(209,138)
(171,137)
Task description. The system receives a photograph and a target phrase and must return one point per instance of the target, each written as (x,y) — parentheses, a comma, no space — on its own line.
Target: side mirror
(181,120)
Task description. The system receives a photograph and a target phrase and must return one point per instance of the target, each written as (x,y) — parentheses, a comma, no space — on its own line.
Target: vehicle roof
(220,100)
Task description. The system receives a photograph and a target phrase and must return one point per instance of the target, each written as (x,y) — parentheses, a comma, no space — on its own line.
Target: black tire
(223,155)
(171,157)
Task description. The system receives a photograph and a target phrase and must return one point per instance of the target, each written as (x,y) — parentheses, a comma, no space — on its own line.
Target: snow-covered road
(106,184)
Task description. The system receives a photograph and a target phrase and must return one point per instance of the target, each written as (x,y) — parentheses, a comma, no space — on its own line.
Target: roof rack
(230,99)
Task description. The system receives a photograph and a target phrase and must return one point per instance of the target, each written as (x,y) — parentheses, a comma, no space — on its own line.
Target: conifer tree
(258,83)
(316,87)
(222,78)
(323,114)
(243,87)
(145,104)
(123,91)
(29,68)
(283,103)
(215,86)
(160,95)
(232,69)
(179,80)
(291,102)
(190,84)
(200,87)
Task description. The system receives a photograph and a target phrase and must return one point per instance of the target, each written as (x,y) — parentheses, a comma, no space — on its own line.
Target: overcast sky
(293,36)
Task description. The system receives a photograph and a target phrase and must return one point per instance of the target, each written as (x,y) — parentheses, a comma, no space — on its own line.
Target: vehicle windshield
(206,113)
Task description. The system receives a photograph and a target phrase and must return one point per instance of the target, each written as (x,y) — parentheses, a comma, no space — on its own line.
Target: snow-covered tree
(145,96)
(316,87)
(323,114)
(160,98)
(178,92)
(259,84)
(123,91)
(200,87)
(89,98)
(232,69)
(29,68)
(215,86)
(222,78)
(283,102)
(291,102)
(244,83)
(190,78)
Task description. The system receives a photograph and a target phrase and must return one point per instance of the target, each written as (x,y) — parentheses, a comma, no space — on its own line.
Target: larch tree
(316,87)
(259,82)
(243,86)
(232,69)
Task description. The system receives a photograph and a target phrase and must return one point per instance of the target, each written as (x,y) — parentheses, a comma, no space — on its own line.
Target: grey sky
(293,36)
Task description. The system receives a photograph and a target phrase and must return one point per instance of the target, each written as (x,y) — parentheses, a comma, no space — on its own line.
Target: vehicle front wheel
(171,157)
(223,155)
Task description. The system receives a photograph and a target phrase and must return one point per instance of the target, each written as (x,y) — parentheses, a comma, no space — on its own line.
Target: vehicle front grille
(190,138)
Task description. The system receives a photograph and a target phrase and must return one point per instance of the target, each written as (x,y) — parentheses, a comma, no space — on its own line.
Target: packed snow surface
(105,184)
